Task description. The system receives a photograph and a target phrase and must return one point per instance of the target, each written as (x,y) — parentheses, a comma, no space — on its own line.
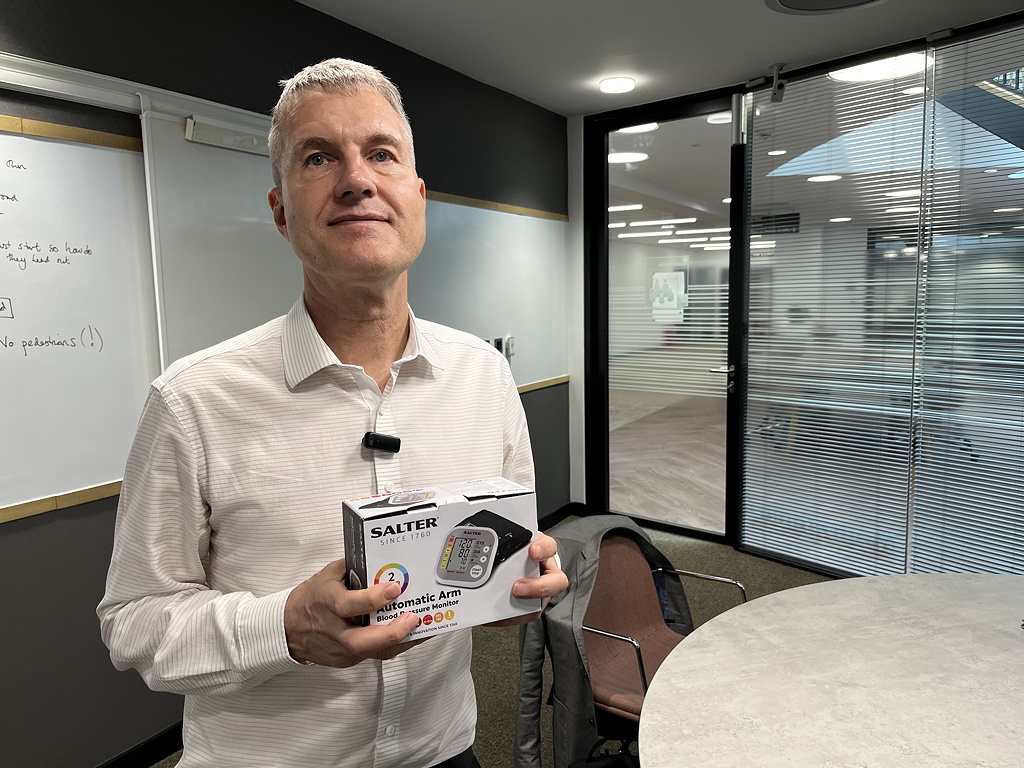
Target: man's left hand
(550,582)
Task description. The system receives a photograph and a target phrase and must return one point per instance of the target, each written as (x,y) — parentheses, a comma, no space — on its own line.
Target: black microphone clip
(375,441)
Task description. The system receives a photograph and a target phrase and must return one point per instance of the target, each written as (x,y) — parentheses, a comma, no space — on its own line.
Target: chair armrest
(627,639)
(705,576)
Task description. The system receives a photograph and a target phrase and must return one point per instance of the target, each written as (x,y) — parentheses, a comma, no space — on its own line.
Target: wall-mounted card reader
(473,548)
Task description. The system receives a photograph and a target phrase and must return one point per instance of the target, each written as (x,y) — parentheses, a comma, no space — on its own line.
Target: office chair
(625,634)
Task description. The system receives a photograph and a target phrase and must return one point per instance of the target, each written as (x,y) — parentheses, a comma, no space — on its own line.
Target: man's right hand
(319,626)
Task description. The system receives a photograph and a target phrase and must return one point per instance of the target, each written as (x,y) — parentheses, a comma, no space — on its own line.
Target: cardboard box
(455,549)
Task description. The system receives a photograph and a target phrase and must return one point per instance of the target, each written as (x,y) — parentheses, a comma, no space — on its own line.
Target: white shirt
(232,496)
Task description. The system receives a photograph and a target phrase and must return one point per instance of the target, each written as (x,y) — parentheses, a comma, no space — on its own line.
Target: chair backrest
(624,602)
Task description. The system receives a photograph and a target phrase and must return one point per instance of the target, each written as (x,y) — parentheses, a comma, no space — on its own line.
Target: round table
(908,670)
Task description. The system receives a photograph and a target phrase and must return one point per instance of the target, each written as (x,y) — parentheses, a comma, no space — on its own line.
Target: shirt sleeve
(518,453)
(158,615)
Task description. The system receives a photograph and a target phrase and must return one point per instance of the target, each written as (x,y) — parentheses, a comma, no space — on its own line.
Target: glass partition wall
(872,376)
(668,275)
(884,412)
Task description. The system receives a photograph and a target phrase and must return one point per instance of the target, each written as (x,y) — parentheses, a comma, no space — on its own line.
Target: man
(225,583)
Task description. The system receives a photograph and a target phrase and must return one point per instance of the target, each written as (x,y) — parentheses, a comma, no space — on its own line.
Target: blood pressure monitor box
(456,550)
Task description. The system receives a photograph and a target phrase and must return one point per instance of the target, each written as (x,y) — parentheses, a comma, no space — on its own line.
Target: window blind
(884,420)
(966,506)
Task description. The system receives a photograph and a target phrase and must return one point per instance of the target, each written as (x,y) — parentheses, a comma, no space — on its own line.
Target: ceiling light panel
(645,128)
(627,157)
(617,84)
(688,220)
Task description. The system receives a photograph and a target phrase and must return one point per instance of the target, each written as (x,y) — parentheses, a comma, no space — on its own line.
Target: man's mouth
(356,219)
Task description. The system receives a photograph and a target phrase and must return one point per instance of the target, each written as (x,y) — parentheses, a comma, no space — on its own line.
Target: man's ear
(276,200)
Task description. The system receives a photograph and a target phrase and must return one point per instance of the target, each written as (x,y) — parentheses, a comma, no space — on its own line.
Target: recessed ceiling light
(645,128)
(825,177)
(617,225)
(777,152)
(903,209)
(687,220)
(1007,210)
(727,200)
(702,231)
(643,234)
(720,118)
(720,239)
(617,84)
(685,240)
(991,170)
(839,219)
(763,244)
(812,7)
(904,193)
(914,90)
(629,207)
(884,69)
(626,157)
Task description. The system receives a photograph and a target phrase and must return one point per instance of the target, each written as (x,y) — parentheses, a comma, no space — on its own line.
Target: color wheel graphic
(393,572)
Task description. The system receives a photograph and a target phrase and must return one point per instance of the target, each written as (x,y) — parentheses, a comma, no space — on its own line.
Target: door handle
(728,370)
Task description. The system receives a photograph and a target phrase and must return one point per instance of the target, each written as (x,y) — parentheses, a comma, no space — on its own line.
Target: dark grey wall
(547,412)
(471,139)
(62,704)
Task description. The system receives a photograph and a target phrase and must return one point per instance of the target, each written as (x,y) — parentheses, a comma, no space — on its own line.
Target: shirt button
(389,731)
(389,487)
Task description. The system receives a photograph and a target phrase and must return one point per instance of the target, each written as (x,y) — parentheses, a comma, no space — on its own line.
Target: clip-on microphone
(375,441)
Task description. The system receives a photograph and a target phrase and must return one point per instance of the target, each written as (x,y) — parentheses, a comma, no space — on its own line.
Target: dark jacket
(559,631)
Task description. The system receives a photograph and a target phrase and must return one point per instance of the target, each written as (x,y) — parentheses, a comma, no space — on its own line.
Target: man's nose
(354,178)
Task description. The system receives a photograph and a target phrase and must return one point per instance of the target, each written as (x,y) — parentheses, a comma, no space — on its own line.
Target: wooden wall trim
(543,384)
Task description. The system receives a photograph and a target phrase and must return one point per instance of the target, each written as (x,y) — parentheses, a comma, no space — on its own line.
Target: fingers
(380,641)
(546,585)
(351,603)
(543,548)
(322,624)
(551,580)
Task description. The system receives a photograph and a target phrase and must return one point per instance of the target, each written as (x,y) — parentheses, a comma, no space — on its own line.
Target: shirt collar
(305,352)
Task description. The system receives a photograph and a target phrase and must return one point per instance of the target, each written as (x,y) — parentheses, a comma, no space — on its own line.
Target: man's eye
(382,156)
(316,160)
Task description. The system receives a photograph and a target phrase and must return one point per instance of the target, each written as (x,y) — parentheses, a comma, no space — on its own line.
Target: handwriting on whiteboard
(26,253)
(88,339)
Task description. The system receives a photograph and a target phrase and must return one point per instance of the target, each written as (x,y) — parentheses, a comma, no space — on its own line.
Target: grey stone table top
(901,671)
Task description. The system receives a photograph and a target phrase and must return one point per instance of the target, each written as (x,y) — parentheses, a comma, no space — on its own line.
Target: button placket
(387,466)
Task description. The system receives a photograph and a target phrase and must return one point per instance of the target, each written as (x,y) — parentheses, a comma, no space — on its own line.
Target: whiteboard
(222,266)
(77,314)
(496,274)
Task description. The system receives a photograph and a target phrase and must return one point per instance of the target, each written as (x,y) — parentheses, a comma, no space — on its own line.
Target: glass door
(668,377)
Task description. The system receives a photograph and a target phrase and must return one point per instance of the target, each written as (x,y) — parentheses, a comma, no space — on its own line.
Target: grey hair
(342,75)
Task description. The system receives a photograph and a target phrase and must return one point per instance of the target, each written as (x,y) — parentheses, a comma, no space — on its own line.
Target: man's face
(350,202)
